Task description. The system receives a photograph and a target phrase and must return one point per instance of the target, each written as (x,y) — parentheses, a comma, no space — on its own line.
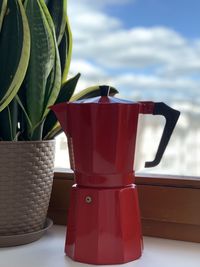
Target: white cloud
(152,82)
(149,87)
(88,69)
(90,26)
(189,68)
(114,49)
(90,74)
(137,47)
(104,40)
(139,86)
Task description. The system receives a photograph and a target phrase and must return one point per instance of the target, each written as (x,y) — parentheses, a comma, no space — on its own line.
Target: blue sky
(180,15)
(148,49)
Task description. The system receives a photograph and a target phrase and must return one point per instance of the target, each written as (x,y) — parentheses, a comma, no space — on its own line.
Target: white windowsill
(49,252)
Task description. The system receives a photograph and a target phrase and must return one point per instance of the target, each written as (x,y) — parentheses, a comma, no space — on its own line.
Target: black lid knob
(104,90)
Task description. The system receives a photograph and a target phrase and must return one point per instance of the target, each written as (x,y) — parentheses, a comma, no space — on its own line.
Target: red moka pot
(104,220)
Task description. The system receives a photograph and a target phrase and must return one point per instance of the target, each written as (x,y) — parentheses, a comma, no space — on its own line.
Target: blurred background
(148,50)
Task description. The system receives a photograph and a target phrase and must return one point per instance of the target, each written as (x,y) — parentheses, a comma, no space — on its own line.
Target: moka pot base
(104,225)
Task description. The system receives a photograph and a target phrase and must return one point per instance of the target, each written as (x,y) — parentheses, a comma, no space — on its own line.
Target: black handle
(171,116)
(104,90)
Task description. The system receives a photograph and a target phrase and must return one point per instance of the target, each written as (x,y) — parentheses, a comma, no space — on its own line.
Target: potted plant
(35,55)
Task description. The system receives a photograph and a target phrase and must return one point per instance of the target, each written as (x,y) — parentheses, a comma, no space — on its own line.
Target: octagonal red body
(104,220)
(107,230)
(102,139)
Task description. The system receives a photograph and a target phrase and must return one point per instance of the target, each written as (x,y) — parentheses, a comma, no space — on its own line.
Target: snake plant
(35,56)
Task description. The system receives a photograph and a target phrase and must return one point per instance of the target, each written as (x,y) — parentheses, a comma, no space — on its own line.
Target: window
(148,50)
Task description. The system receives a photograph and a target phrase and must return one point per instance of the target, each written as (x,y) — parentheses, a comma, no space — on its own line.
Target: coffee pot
(103,224)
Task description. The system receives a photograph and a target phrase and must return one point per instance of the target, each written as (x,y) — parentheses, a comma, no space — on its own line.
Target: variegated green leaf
(13,58)
(58,11)
(65,51)
(8,118)
(54,80)
(3,6)
(65,94)
(54,132)
(18,100)
(41,61)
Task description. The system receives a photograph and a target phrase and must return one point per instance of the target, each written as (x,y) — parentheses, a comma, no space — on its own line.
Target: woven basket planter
(26,177)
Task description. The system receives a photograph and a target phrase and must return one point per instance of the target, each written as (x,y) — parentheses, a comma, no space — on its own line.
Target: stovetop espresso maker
(104,220)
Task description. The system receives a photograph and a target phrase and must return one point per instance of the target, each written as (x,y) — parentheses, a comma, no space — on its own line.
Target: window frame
(169,205)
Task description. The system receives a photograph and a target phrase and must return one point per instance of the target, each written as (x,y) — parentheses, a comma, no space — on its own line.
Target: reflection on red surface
(104,223)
